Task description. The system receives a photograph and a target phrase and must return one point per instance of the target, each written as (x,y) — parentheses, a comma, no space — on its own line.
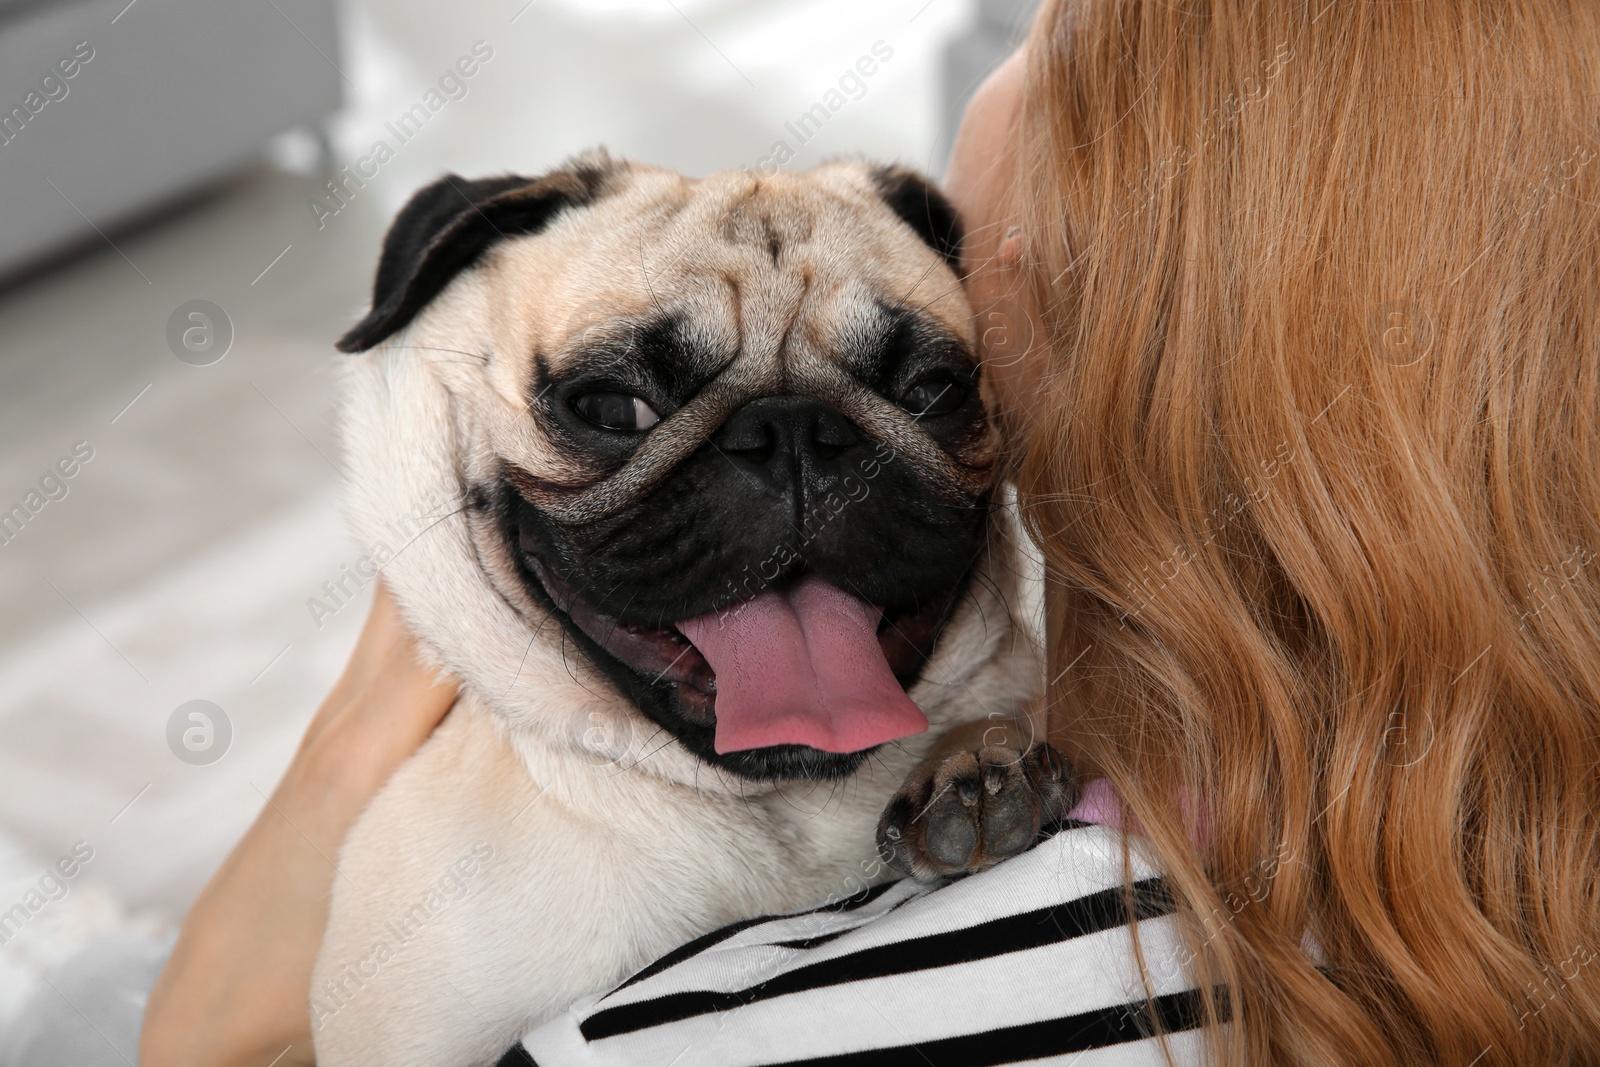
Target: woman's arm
(236,988)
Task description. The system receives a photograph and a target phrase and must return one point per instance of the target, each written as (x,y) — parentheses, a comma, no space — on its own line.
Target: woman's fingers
(384,706)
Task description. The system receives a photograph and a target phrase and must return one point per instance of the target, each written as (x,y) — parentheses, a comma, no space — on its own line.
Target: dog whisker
(520,664)
(479,356)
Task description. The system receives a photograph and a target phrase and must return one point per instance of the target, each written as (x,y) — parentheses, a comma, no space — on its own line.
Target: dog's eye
(616,411)
(932,397)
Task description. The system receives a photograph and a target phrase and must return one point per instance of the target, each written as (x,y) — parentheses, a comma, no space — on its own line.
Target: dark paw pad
(971,810)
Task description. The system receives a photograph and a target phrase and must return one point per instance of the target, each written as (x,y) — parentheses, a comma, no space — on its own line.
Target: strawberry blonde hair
(1316,474)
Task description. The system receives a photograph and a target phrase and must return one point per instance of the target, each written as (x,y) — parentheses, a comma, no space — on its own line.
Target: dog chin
(667,678)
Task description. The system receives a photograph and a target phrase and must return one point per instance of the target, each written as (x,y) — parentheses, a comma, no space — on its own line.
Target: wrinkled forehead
(797,279)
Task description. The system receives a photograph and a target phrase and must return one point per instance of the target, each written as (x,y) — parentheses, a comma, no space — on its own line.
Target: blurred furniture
(177,93)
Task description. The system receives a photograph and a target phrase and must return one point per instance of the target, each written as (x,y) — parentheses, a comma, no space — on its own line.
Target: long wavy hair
(1316,474)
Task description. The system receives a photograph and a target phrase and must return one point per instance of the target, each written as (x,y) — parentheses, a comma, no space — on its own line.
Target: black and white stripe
(1029,962)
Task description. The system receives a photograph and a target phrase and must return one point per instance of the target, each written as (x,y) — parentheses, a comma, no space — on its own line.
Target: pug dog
(720,551)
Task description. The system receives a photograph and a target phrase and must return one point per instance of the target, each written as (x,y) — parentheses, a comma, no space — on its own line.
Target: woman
(1313,462)
(1294,309)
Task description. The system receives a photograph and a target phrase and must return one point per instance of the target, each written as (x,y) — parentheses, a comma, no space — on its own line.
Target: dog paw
(971,809)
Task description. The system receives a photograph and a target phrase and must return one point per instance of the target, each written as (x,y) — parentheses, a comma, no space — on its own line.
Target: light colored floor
(179,564)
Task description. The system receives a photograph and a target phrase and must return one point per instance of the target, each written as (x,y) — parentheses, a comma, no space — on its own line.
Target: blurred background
(192,194)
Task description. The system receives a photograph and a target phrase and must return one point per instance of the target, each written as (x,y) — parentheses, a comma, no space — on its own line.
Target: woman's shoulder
(1028,961)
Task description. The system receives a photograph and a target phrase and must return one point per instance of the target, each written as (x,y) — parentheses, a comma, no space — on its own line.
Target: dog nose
(786,437)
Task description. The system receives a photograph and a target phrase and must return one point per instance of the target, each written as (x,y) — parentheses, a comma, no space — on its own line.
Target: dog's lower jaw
(528,877)
(688,718)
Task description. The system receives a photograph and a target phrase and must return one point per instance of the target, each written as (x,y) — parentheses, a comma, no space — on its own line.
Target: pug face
(728,434)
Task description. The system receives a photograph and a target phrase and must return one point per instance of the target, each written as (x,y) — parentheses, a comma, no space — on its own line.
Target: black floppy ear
(448,225)
(924,208)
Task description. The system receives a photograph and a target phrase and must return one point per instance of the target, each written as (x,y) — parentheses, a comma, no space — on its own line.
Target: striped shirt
(1031,961)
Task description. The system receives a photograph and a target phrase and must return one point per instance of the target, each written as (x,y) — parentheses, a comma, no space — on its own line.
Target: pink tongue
(802,668)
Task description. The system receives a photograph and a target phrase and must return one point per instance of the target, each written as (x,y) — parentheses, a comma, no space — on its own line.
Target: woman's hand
(236,989)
